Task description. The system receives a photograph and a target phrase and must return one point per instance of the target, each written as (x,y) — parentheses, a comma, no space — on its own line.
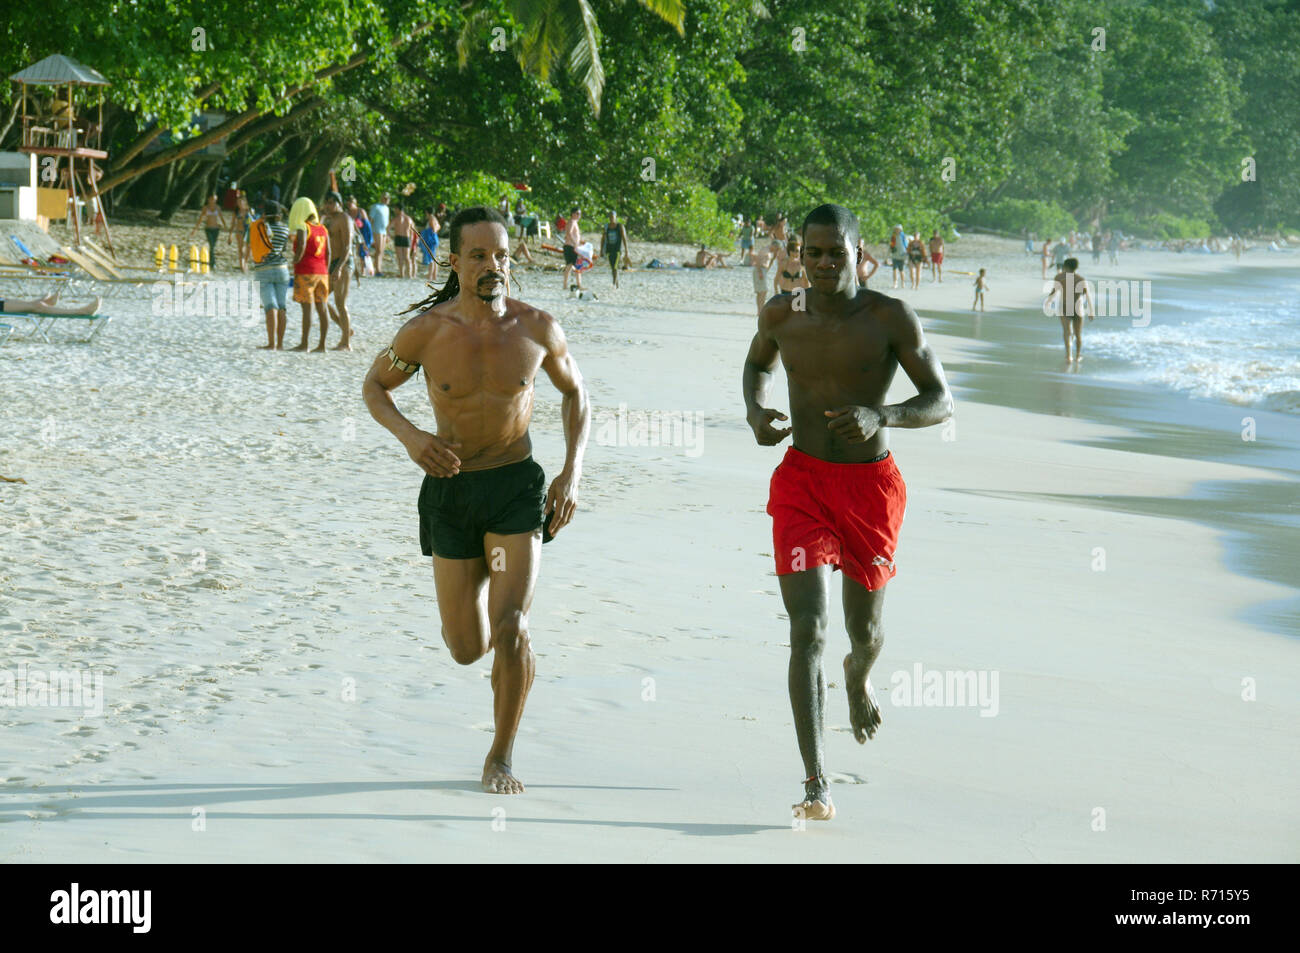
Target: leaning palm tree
(551,31)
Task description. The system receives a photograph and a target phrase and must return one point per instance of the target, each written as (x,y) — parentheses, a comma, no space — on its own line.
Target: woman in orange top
(311,264)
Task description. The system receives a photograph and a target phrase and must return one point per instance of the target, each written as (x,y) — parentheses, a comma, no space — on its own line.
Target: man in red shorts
(837,498)
(936,257)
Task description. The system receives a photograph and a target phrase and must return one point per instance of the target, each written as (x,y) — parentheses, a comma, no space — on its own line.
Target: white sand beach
(227,536)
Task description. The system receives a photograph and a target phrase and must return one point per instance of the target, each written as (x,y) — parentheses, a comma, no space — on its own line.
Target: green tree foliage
(680,112)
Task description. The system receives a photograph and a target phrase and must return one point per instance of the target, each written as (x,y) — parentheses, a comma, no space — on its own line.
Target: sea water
(1235,339)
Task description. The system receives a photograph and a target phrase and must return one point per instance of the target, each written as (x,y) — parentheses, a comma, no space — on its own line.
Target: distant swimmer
(484,506)
(1076,299)
(837,498)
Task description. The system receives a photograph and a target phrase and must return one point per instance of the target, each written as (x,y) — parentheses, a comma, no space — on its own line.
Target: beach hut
(59,123)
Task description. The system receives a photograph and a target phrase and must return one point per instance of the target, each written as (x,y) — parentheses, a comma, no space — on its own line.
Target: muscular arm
(383,378)
(562,369)
(933,403)
(760,362)
(433,454)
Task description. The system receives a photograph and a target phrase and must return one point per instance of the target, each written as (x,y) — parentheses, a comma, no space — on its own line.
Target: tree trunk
(180,196)
(318,181)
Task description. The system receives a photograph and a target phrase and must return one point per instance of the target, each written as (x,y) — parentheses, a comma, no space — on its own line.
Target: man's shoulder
(876,304)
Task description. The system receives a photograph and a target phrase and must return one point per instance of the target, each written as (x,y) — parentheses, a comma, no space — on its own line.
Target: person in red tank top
(311,284)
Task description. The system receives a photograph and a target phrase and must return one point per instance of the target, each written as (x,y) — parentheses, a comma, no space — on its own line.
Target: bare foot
(497,779)
(864,713)
(345,346)
(266,347)
(300,347)
(816,805)
(318,347)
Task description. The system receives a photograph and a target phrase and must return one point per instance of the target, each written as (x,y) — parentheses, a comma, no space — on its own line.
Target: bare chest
(465,362)
(814,350)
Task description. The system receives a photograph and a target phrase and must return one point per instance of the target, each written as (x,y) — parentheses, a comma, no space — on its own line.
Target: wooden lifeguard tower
(63,128)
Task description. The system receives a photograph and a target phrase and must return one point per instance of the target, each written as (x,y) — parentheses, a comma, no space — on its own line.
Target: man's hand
(760,421)
(433,454)
(561,500)
(854,424)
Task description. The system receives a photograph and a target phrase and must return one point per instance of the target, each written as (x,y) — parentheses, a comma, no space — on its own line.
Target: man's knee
(466,647)
(808,632)
(510,634)
(865,632)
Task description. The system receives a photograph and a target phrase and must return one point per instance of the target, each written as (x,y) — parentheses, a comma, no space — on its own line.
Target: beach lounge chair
(42,324)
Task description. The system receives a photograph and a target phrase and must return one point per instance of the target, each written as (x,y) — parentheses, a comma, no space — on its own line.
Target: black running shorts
(456,511)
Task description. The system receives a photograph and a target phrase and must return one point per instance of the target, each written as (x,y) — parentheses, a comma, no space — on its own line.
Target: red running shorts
(844,514)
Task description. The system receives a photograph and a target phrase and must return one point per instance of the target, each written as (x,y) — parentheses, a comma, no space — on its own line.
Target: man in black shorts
(572,239)
(484,503)
(613,243)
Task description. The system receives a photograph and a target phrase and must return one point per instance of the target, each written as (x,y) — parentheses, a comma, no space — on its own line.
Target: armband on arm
(404,366)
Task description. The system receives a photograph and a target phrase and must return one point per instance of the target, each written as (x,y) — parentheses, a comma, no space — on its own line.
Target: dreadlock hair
(838,216)
(473,215)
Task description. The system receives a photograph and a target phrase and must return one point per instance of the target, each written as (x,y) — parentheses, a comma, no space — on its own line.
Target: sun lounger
(42,324)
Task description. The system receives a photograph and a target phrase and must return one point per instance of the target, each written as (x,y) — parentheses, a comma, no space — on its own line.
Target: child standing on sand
(981,285)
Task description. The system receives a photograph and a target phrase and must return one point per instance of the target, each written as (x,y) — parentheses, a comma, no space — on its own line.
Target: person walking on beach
(746,241)
(311,264)
(1047,256)
(379,225)
(936,257)
(1112,247)
(402,231)
(867,264)
(364,236)
(1060,253)
(429,244)
(484,506)
(1096,247)
(572,239)
(1076,299)
(837,499)
(981,286)
(213,221)
(759,262)
(915,259)
(897,256)
(339,224)
(613,244)
(268,237)
(239,225)
(789,272)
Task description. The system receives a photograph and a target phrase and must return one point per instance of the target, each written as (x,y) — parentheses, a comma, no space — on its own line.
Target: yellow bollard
(194,258)
(160,256)
(203,259)
(171,258)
